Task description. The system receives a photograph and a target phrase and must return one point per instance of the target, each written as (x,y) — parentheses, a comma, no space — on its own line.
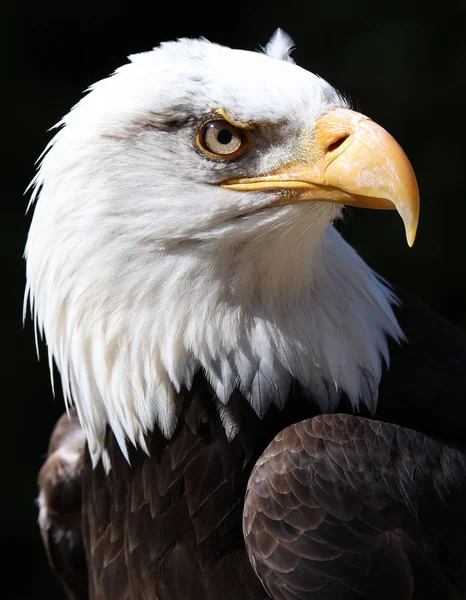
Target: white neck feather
(281,305)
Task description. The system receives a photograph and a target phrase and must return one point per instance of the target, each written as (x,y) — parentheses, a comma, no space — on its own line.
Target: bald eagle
(253,411)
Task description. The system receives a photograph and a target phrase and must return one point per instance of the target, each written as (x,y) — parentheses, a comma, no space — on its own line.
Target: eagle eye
(219,139)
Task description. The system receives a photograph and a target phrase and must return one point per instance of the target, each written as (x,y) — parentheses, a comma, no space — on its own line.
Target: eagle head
(183,222)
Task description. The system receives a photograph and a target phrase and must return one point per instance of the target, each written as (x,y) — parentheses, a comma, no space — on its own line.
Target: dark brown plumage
(60,501)
(338,506)
(346,507)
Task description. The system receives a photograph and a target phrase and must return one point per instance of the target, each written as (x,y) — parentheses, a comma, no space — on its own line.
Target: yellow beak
(352,161)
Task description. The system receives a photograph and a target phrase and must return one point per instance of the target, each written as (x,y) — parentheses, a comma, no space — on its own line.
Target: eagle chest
(169,525)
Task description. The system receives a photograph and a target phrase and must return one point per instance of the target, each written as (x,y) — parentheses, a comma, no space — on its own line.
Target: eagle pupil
(224,136)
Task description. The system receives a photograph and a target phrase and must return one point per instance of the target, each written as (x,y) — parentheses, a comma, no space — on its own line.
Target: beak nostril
(337,143)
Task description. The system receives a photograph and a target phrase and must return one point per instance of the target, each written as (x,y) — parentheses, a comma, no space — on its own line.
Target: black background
(402,63)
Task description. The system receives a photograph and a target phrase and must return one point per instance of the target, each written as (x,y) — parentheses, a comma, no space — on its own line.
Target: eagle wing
(60,486)
(340,506)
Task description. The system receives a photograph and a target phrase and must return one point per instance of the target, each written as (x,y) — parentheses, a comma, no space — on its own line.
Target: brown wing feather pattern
(60,480)
(342,507)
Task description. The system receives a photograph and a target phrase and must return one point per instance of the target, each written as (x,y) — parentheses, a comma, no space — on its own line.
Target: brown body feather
(346,507)
(375,504)
(60,500)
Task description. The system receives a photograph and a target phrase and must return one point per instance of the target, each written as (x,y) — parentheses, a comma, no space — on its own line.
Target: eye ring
(218,138)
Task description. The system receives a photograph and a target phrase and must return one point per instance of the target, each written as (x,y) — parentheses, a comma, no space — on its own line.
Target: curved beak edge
(351,160)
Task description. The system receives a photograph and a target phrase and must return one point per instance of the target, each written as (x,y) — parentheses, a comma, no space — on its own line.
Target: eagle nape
(253,411)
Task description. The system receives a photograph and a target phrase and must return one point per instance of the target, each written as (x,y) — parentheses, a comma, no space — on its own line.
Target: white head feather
(141,269)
